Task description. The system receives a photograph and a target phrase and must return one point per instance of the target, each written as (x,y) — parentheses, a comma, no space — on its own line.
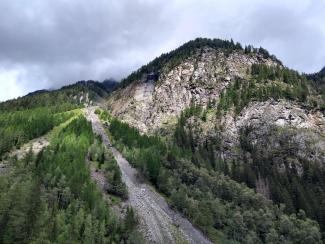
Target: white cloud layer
(9,85)
(45,44)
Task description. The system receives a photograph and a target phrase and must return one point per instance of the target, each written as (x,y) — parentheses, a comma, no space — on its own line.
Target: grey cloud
(289,34)
(45,44)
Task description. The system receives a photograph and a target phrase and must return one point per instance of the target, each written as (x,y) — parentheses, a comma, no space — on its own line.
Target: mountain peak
(198,45)
(198,72)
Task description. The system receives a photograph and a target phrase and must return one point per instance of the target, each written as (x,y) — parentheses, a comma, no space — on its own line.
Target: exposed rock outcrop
(268,123)
(150,105)
(267,126)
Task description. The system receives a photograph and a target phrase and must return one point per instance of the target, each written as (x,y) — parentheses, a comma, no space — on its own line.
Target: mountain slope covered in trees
(50,197)
(75,95)
(228,212)
(319,79)
(232,111)
(35,114)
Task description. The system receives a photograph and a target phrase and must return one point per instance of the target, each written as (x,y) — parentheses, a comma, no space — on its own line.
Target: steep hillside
(51,198)
(238,112)
(196,72)
(35,114)
(47,154)
(233,140)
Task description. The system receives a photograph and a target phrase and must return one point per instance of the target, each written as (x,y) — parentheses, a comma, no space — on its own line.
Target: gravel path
(158,222)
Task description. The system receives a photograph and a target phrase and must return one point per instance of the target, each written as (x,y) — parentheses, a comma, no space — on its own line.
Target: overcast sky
(47,43)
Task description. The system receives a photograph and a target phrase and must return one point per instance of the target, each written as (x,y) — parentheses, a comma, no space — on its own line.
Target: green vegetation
(97,153)
(184,138)
(147,158)
(51,198)
(62,99)
(18,127)
(31,116)
(115,184)
(228,212)
(103,115)
(250,49)
(175,57)
(319,80)
(269,82)
(106,163)
(305,191)
(257,163)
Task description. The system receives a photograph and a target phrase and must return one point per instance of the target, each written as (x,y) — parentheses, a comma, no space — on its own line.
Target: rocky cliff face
(281,131)
(150,104)
(268,123)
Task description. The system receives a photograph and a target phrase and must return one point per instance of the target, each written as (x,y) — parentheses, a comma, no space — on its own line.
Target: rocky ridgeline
(150,105)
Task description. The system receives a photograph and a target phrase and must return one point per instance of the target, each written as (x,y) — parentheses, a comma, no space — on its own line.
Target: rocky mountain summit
(150,105)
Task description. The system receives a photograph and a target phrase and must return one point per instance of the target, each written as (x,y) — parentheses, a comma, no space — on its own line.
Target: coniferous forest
(49,197)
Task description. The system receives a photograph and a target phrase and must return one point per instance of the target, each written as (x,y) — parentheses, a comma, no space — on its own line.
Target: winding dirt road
(158,222)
